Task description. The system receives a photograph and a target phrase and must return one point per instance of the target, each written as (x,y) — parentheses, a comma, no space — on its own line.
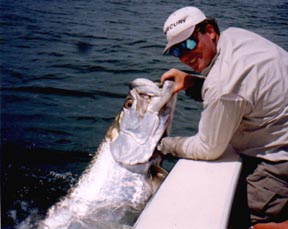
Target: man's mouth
(193,61)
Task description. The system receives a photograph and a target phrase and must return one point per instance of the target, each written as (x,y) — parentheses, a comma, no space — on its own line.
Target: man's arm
(219,121)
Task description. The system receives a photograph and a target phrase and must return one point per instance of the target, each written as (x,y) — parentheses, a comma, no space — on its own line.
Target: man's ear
(209,29)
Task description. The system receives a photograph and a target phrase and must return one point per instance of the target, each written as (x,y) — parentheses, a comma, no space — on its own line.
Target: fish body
(114,189)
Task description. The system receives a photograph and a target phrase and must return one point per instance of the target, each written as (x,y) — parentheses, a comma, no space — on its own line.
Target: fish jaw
(141,125)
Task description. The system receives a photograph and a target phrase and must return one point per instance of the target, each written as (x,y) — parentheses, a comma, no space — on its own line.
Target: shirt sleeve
(219,121)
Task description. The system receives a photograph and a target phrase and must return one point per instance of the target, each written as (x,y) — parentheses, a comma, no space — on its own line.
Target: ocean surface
(65,70)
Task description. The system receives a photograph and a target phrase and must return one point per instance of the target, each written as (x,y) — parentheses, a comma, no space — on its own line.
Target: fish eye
(128,103)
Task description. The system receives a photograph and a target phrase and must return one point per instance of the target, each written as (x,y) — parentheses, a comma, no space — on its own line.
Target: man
(245,96)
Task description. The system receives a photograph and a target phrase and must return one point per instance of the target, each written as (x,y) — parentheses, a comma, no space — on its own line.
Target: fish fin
(158,175)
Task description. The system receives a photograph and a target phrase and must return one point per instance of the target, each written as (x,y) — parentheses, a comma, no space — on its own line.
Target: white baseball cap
(180,25)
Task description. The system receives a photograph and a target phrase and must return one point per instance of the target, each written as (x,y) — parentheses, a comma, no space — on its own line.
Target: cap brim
(179,38)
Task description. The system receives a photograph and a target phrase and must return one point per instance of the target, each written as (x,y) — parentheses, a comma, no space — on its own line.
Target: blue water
(65,69)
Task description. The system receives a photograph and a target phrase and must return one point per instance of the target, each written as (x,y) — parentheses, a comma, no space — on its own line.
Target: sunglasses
(180,49)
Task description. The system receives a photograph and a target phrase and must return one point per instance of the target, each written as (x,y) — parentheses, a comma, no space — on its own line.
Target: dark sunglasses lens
(181,48)
(175,51)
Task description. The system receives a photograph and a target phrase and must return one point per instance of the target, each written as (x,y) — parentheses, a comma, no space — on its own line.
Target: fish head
(146,116)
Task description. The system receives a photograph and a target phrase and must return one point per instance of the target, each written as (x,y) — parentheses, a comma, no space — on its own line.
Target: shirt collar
(206,70)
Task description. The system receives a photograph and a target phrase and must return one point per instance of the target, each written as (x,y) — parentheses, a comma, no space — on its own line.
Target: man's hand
(182,79)
(166,145)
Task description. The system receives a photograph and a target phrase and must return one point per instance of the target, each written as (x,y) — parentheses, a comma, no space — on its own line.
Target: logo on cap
(171,26)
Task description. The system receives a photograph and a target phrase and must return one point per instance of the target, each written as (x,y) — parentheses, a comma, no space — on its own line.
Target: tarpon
(124,172)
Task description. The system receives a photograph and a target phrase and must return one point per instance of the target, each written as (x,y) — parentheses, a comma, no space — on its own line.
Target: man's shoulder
(233,31)
(234,37)
(238,44)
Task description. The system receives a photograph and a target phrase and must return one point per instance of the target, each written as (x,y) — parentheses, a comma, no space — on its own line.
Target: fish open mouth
(146,116)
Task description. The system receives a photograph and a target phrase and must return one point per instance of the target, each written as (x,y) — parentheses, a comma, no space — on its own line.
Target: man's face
(200,57)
